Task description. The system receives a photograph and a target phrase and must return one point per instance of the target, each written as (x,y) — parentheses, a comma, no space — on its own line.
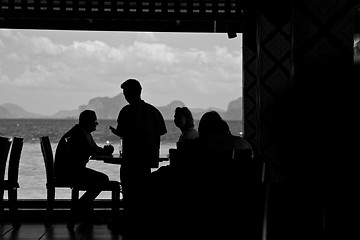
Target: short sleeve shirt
(141,125)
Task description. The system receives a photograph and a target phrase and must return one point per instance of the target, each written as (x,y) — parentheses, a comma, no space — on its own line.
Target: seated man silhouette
(72,154)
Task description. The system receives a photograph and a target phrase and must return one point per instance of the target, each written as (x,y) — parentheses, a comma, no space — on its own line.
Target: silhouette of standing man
(140,125)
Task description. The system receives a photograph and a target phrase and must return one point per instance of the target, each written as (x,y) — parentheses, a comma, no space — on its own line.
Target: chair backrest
(5,143)
(14,159)
(252,165)
(68,146)
(48,158)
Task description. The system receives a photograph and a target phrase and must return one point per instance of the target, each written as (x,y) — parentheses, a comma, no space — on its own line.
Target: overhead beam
(160,15)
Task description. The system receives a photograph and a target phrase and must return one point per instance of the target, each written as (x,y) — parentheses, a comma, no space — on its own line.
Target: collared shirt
(141,125)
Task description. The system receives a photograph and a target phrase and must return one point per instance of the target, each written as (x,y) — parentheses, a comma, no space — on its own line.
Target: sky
(47,71)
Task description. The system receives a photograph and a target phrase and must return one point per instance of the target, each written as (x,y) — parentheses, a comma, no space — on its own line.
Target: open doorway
(46,77)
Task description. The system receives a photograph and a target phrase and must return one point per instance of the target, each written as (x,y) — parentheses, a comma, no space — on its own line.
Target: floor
(58,231)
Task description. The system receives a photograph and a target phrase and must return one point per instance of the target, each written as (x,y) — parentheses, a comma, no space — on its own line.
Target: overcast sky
(48,71)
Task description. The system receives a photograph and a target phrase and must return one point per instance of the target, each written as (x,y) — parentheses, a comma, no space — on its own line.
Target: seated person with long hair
(214,132)
(184,120)
(210,175)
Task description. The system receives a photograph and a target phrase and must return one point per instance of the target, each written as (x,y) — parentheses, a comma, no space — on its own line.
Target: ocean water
(32,177)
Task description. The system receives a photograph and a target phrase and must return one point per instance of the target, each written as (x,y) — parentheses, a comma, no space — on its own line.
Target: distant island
(108,108)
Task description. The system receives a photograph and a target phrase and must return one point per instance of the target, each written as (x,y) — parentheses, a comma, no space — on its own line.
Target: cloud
(147,37)
(3,78)
(17,57)
(156,52)
(96,50)
(96,66)
(194,55)
(46,46)
(13,36)
(37,76)
(6,33)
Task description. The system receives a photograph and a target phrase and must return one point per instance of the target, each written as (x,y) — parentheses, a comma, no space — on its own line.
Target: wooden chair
(12,184)
(5,144)
(52,184)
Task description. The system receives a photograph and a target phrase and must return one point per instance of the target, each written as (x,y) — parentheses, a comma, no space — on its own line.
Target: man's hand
(113,130)
(109,149)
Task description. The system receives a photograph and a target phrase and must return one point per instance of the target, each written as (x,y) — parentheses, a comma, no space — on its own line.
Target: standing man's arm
(116,131)
(162,126)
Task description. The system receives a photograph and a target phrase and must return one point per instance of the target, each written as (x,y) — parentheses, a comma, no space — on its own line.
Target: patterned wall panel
(267,74)
(250,90)
(323,31)
(323,56)
(250,76)
(308,42)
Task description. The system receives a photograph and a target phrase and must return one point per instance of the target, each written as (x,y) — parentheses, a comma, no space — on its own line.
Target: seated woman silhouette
(214,132)
(184,120)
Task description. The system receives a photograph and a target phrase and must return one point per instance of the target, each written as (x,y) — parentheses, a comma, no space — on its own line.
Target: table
(117,159)
(114,159)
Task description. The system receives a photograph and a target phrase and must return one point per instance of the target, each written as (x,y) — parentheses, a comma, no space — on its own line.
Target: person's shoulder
(152,108)
(191,134)
(148,105)
(240,143)
(124,111)
(76,133)
(125,108)
(75,129)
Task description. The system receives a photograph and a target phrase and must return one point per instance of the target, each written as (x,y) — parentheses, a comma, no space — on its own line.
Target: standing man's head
(131,90)
(88,120)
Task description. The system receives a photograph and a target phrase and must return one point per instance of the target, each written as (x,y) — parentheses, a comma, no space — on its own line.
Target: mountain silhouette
(106,107)
(109,107)
(15,111)
(4,113)
(168,111)
(66,114)
(234,110)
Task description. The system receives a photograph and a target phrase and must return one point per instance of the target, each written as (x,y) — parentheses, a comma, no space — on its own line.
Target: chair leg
(1,204)
(115,196)
(74,199)
(13,207)
(50,205)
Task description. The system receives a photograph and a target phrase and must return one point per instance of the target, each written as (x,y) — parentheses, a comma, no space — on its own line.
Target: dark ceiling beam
(149,25)
(161,15)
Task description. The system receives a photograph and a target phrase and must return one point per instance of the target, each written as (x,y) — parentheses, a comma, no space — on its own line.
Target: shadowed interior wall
(268,72)
(295,55)
(297,44)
